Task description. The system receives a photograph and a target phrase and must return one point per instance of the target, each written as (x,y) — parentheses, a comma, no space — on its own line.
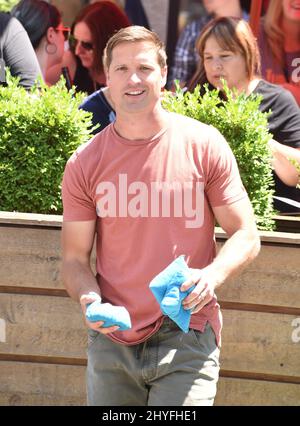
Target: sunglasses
(64,30)
(86,45)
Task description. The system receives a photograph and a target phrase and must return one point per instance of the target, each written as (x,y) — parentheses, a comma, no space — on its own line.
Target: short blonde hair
(232,34)
(133,34)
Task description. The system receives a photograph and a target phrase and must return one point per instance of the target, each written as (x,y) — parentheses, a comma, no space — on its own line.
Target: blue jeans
(170,368)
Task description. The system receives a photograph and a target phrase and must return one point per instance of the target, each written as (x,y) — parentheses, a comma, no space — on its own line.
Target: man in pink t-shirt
(150,187)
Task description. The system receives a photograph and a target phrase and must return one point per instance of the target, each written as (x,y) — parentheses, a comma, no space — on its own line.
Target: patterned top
(185,56)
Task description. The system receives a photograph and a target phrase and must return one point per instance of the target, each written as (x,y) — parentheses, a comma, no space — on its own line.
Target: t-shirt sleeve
(224,185)
(78,205)
(19,54)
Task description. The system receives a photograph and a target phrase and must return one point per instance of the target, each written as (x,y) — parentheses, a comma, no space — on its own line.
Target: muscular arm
(77,244)
(78,277)
(241,248)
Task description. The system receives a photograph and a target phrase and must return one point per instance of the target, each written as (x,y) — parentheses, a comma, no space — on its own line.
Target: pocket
(92,337)
(206,339)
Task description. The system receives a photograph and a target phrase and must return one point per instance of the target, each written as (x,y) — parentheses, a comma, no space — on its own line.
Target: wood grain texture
(273,278)
(31,258)
(53,327)
(259,343)
(43,346)
(43,384)
(235,392)
(42,325)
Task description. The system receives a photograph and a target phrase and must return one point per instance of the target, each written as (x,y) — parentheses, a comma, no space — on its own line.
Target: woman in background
(279,43)
(17,53)
(43,24)
(228,50)
(91,30)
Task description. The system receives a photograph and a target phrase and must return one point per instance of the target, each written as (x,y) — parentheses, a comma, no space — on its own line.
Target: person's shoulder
(275,92)
(91,99)
(91,148)
(10,24)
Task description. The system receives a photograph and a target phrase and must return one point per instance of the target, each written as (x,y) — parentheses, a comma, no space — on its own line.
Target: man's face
(135,78)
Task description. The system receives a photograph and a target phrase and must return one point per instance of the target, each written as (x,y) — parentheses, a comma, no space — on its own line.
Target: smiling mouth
(134,92)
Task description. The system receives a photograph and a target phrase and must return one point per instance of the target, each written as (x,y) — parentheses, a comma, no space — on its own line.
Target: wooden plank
(270,237)
(41,384)
(31,257)
(235,392)
(44,326)
(259,343)
(40,220)
(288,224)
(29,219)
(273,278)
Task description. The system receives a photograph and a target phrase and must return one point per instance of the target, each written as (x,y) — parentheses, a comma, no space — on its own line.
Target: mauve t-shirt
(152,200)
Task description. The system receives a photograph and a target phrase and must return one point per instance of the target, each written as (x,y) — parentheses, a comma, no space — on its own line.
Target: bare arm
(284,169)
(77,244)
(241,248)
(78,277)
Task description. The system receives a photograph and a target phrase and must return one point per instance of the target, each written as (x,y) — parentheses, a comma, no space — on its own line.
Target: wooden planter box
(43,336)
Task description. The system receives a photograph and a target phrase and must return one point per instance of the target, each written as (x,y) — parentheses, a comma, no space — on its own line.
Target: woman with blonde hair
(228,50)
(279,43)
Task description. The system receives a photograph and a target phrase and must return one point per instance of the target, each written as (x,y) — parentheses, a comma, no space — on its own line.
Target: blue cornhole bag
(166,289)
(111,315)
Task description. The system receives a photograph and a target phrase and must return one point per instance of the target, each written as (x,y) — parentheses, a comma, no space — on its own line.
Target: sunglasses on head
(64,30)
(86,45)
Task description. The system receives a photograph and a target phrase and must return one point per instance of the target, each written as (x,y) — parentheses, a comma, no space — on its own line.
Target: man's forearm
(238,251)
(79,279)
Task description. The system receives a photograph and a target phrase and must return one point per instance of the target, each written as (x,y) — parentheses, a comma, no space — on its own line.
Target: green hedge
(245,129)
(7,5)
(39,131)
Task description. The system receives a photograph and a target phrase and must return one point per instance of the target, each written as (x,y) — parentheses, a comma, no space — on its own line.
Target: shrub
(39,131)
(246,130)
(7,5)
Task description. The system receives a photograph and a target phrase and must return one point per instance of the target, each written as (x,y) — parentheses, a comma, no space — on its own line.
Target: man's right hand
(85,300)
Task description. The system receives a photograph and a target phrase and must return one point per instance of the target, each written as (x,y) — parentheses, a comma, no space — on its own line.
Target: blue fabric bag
(166,289)
(111,315)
